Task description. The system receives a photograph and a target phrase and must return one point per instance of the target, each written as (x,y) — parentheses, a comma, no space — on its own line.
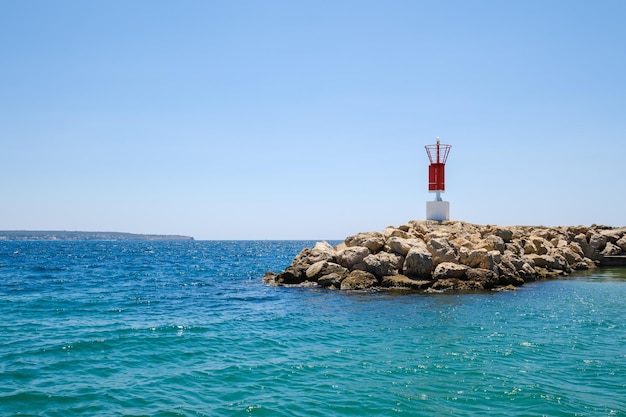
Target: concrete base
(438,210)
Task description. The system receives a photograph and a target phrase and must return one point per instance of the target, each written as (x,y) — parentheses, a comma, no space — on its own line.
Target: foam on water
(188,329)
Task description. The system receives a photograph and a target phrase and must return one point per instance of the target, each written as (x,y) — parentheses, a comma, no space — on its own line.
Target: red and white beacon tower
(438,209)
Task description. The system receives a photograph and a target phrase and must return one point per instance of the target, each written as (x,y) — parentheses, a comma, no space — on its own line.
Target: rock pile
(438,256)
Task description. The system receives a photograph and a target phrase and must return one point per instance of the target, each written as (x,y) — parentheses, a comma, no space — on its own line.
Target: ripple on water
(188,329)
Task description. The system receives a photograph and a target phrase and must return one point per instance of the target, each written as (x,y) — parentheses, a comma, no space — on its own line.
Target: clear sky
(288,119)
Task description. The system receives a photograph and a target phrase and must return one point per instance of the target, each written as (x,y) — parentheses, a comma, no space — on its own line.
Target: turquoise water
(188,329)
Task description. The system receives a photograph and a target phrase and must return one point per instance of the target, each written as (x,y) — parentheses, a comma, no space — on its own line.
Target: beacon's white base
(438,210)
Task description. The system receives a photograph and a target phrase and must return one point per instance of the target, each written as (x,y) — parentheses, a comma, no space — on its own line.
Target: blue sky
(308,119)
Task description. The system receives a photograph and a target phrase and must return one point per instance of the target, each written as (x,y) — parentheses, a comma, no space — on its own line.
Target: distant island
(75,235)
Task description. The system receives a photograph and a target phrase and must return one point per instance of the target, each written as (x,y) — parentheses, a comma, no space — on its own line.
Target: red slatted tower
(437,154)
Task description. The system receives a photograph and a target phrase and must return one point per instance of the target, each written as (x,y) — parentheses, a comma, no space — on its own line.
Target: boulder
(383,263)
(332,280)
(527,272)
(404,282)
(542,245)
(561,263)
(515,280)
(462,243)
(447,270)
(571,256)
(573,231)
(491,260)
(613,235)
(301,263)
(588,251)
(529,247)
(505,234)
(323,251)
(507,267)
(270,278)
(622,243)
(540,260)
(577,249)
(514,247)
(400,245)
(442,250)
(597,241)
(550,262)
(493,242)
(455,284)
(559,243)
(611,250)
(359,280)
(584,265)
(445,284)
(322,268)
(289,277)
(373,241)
(418,262)
(394,232)
(351,256)
(472,258)
(487,278)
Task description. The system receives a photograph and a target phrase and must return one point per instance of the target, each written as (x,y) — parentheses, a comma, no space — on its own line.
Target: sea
(188,328)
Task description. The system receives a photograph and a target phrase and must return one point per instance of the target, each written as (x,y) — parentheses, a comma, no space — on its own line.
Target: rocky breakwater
(439,256)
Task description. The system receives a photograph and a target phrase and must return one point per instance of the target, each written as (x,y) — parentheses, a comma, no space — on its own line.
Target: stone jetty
(436,256)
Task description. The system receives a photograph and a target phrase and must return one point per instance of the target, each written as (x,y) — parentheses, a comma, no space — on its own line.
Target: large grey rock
(551,262)
(447,270)
(611,250)
(394,232)
(528,246)
(583,242)
(622,243)
(542,245)
(418,262)
(323,251)
(487,278)
(374,241)
(400,245)
(472,258)
(300,264)
(359,280)
(576,248)
(491,260)
(442,250)
(332,280)
(597,241)
(613,235)
(505,234)
(514,247)
(290,277)
(493,242)
(571,256)
(383,263)
(321,268)
(351,256)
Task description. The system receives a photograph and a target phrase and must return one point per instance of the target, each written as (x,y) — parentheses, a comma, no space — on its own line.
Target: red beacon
(437,154)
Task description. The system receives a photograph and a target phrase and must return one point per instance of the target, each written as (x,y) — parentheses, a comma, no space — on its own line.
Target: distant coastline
(78,235)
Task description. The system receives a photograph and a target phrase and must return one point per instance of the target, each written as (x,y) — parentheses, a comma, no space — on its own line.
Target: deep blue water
(188,329)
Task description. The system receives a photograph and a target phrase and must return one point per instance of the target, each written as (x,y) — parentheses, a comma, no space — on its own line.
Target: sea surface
(187,328)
